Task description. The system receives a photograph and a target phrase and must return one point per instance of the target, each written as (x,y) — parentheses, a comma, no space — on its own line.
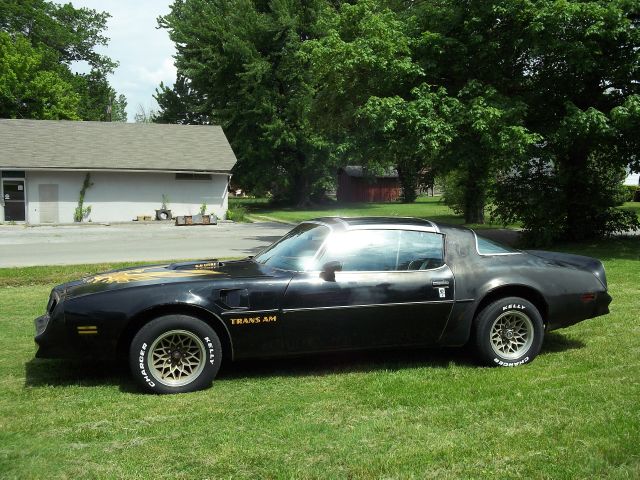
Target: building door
(48,196)
(14,200)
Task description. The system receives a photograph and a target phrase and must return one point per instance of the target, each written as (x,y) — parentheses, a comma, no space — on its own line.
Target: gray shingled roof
(53,144)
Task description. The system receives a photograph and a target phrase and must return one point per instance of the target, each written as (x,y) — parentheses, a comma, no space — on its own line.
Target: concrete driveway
(67,245)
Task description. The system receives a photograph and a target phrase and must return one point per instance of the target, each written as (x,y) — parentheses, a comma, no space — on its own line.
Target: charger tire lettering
(489,352)
(140,354)
(511,364)
(143,372)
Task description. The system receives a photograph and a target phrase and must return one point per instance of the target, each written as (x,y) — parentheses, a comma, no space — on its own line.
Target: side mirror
(329,270)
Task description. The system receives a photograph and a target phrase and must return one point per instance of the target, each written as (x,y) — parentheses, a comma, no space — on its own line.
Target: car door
(394,289)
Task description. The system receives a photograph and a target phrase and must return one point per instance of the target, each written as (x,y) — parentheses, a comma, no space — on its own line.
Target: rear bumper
(583,311)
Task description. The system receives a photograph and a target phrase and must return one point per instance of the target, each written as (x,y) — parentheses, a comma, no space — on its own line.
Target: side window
(420,250)
(489,247)
(363,250)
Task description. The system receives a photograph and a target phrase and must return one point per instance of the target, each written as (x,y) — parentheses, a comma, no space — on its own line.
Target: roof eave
(130,170)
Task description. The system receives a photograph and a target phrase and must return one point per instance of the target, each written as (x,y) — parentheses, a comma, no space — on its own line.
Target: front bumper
(50,338)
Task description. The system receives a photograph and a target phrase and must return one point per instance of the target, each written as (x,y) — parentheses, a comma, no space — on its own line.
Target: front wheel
(509,332)
(175,354)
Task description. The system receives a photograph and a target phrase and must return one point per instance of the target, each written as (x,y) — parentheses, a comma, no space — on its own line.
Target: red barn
(356,185)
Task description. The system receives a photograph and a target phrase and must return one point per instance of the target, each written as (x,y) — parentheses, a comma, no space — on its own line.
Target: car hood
(163,274)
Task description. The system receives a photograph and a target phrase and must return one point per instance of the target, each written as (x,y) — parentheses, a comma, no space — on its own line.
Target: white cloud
(143,51)
(165,73)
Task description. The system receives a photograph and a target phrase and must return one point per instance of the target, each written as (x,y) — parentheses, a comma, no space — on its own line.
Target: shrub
(536,194)
(632,193)
(237,213)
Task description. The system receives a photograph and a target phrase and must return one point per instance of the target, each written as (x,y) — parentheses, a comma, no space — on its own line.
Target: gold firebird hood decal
(146,274)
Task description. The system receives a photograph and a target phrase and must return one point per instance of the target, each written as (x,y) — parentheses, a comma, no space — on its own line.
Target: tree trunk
(409,184)
(302,190)
(474,197)
(474,210)
(577,192)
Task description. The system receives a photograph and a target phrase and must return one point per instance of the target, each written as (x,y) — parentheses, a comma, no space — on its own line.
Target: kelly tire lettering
(508,332)
(159,336)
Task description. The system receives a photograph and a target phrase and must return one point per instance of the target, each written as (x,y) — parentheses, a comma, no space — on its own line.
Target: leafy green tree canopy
(243,64)
(40,40)
(28,89)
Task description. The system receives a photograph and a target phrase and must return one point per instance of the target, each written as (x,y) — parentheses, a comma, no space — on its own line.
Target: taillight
(588,297)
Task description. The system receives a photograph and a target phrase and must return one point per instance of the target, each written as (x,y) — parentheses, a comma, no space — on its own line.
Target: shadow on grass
(349,362)
(78,373)
(555,342)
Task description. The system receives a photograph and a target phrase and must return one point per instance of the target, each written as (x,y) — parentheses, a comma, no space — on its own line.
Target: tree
(559,72)
(145,115)
(489,138)
(28,89)
(409,133)
(118,108)
(98,100)
(472,49)
(70,34)
(388,89)
(242,60)
(579,81)
(180,104)
(370,97)
(40,40)
(532,107)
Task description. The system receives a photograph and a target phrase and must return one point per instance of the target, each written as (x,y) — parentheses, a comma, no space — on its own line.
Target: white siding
(122,196)
(633,179)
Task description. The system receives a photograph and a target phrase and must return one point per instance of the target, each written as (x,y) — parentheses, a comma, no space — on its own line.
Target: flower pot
(163,214)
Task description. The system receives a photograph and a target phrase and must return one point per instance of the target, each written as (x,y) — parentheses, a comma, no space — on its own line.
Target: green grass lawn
(573,413)
(432,208)
(633,206)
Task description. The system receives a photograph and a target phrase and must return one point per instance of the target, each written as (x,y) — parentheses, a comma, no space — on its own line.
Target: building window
(193,176)
(12,174)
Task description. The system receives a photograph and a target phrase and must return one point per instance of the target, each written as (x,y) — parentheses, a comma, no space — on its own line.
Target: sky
(144,52)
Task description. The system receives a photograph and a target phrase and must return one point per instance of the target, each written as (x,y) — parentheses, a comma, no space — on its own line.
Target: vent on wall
(193,176)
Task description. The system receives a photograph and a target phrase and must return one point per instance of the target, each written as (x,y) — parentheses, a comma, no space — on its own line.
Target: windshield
(295,251)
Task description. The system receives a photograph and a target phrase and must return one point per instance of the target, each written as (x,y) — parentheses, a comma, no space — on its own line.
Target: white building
(131,167)
(632,179)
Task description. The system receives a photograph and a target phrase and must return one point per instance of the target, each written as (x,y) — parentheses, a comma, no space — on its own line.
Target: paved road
(67,245)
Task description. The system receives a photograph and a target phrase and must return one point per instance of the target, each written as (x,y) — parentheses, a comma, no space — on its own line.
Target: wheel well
(141,319)
(521,291)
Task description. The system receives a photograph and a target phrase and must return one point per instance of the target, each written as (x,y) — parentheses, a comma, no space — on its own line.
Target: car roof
(376,221)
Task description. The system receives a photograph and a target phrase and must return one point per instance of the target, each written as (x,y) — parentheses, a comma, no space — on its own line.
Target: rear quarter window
(489,247)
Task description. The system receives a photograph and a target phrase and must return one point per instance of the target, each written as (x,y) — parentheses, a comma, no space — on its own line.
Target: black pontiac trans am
(329,284)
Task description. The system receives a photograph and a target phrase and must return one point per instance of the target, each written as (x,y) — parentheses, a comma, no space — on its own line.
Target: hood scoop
(211,264)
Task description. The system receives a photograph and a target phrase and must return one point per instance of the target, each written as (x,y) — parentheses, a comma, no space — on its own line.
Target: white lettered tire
(509,332)
(175,354)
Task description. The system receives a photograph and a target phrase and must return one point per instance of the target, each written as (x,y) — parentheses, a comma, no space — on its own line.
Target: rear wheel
(509,332)
(175,354)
